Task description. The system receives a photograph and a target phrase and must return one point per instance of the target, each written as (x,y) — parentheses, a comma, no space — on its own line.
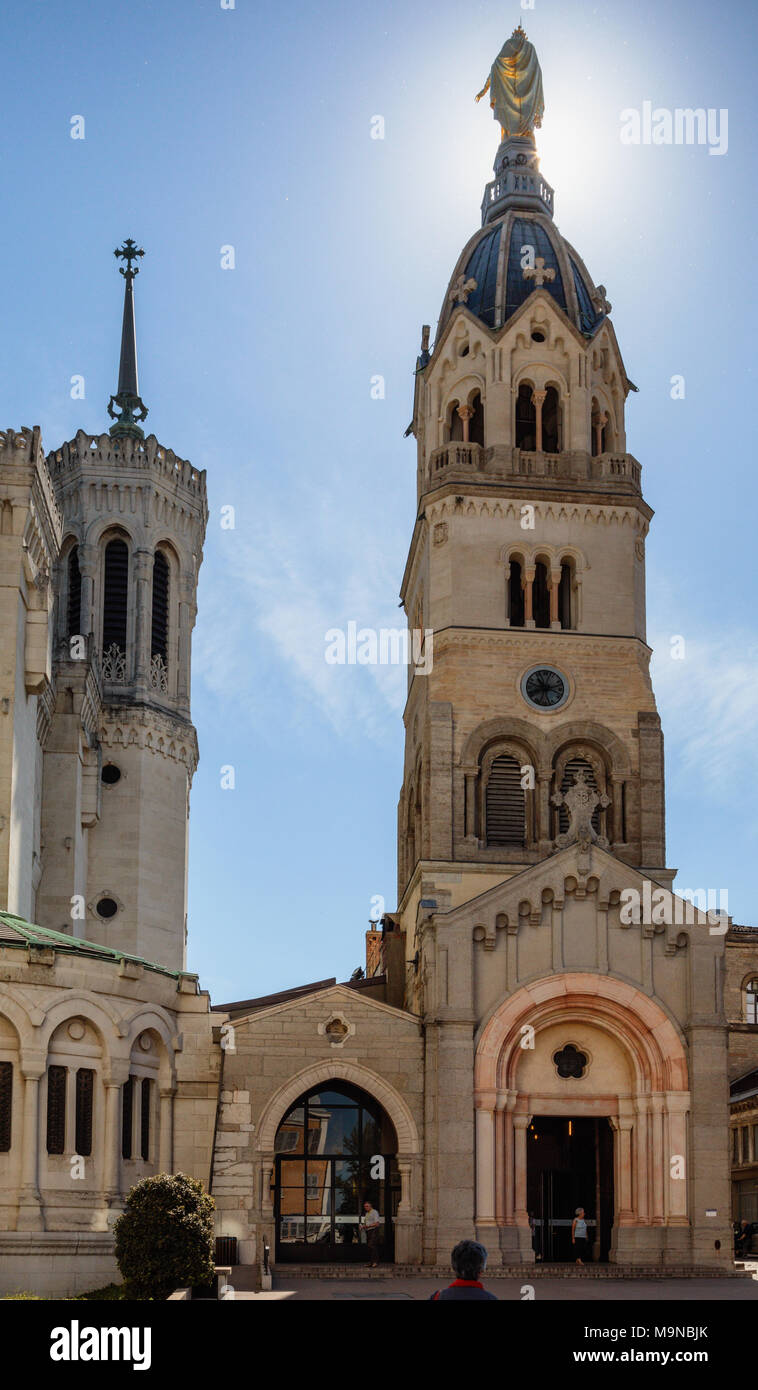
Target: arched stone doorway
(631,1075)
(335,1148)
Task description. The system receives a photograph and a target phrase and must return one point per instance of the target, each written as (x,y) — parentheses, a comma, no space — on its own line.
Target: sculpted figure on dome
(515,87)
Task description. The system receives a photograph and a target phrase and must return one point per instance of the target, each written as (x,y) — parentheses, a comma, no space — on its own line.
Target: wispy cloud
(275,590)
(709,707)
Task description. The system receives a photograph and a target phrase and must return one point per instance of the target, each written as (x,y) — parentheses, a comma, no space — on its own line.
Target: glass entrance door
(335,1151)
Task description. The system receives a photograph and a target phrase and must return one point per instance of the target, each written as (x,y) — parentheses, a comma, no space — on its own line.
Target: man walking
(371,1222)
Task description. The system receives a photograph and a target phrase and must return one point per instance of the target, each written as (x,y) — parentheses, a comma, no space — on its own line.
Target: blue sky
(250,127)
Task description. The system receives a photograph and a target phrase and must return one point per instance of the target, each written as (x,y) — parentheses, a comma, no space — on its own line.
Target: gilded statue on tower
(515,87)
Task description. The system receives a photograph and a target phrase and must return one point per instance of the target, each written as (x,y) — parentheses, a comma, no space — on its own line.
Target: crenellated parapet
(95,475)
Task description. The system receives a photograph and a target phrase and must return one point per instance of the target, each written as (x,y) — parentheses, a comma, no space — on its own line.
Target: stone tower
(532,805)
(527,561)
(121,748)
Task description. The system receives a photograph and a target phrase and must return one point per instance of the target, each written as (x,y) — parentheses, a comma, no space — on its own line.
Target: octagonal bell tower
(122,749)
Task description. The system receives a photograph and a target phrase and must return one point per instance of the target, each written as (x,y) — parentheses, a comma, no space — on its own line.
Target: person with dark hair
(469,1260)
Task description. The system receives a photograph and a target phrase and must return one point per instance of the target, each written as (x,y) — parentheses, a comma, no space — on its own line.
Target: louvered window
(74,608)
(6,1105)
(160,607)
(573,766)
(56,1109)
(505,806)
(115,595)
(127,1112)
(145,1119)
(85,1091)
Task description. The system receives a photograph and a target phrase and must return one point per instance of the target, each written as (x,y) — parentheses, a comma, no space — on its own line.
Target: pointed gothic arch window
(73,593)
(515,594)
(159,633)
(115,607)
(526,418)
(505,803)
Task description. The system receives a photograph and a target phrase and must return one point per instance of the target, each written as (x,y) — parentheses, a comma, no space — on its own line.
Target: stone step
(524,1272)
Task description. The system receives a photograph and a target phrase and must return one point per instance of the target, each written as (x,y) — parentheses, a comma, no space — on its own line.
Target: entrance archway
(582,1047)
(335,1148)
(569,1165)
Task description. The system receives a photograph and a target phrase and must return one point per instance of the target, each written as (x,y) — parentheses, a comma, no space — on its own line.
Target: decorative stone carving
(114,665)
(337,1029)
(462,289)
(581,801)
(158,673)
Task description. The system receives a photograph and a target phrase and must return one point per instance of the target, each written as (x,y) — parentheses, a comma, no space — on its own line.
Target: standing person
(371,1222)
(469,1261)
(579,1235)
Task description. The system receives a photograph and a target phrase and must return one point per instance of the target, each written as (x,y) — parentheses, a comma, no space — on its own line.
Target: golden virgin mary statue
(515,87)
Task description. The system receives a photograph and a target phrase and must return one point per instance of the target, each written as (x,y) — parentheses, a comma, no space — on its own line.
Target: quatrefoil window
(570,1062)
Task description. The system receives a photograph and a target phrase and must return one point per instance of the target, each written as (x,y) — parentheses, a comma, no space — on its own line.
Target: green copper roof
(14,931)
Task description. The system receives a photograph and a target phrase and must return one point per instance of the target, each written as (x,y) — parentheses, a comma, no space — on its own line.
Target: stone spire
(127,398)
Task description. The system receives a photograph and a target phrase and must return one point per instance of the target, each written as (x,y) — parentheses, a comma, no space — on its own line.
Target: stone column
(466,413)
(143,574)
(656,1121)
(30,1207)
(112,1143)
(676,1159)
(509,1160)
(641,1167)
(520,1126)
(555,579)
(538,398)
(543,811)
(267,1205)
(166,1150)
(87,569)
(528,582)
(187,612)
(485,1159)
(470,806)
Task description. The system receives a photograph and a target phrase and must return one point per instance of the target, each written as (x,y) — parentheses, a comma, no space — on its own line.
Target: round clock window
(545,688)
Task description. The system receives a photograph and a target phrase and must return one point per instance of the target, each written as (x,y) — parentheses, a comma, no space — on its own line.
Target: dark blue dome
(494,262)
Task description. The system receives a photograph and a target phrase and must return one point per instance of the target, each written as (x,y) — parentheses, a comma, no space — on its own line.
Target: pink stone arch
(651,1040)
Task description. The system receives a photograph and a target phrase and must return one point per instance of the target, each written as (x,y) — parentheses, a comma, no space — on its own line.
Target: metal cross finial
(129,253)
(538,273)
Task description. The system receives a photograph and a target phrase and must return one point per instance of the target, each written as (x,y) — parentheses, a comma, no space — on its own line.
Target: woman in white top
(579,1234)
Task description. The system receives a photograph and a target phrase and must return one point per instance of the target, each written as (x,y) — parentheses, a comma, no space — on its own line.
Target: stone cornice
(163,734)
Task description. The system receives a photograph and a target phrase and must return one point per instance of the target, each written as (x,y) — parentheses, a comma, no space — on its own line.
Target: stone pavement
(575,1289)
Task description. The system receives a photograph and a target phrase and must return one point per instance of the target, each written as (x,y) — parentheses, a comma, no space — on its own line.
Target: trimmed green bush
(165,1237)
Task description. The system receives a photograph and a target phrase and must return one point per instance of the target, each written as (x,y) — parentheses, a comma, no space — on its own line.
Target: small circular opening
(110,774)
(107,907)
(538,337)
